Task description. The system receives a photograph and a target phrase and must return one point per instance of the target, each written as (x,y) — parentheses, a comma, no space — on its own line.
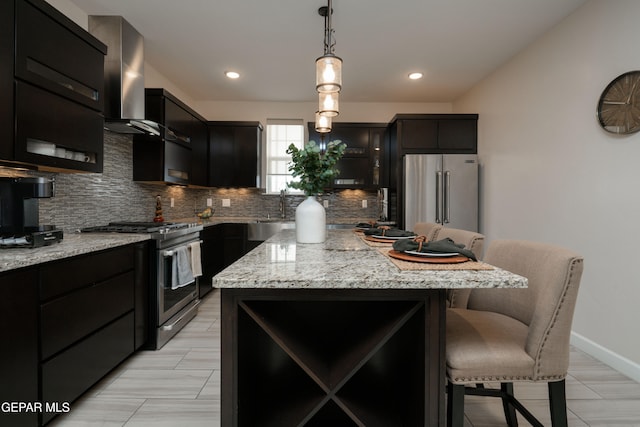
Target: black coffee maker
(19,213)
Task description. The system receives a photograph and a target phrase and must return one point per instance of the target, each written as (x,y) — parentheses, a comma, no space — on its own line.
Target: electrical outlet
(173,202)
(226,203)
(364,204)
(325,203)
(209,202)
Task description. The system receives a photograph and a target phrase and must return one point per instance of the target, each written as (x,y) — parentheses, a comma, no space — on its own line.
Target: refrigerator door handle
(446,197)
(439,197)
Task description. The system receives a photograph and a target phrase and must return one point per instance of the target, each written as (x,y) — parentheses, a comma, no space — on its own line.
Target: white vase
(311,221)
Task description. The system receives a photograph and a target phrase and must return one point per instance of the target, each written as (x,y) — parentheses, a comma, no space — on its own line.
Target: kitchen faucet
(283,205)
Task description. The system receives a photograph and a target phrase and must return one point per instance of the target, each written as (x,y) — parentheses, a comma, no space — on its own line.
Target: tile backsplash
(83,200)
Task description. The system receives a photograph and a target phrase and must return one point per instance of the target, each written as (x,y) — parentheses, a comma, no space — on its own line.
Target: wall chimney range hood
(124,76)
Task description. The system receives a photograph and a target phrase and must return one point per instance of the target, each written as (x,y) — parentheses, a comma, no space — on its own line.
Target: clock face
(619,104)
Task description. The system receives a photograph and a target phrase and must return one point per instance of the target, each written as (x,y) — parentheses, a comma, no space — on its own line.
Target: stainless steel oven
(170,308)
(175,307)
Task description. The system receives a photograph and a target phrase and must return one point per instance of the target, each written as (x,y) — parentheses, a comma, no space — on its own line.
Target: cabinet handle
(174,136)
(170,252)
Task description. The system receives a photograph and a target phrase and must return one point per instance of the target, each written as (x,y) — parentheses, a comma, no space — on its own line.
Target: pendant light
(328,70)
(328,66)
(323,123)
(328,104)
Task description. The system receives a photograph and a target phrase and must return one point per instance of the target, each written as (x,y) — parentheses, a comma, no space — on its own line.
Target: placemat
(408,265)
(376,243)
(375,239)
(403,256)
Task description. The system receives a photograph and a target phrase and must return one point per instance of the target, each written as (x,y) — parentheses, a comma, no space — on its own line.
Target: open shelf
(384,391)
(266,378)
(331,415)
(356,358)
(330,349)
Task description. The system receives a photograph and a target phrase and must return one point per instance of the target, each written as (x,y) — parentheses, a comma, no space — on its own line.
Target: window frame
(281,157)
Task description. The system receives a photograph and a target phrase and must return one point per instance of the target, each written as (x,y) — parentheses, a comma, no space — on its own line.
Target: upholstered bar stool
(511,335)
(428,229)
(472,241)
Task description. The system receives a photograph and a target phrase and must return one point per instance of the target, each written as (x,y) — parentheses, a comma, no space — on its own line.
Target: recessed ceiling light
(232,74)
(415,76)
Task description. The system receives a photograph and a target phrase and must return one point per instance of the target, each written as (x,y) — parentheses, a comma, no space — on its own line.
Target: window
(280,134)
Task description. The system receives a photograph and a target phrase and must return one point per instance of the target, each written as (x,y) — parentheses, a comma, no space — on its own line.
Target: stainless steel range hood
(124,75)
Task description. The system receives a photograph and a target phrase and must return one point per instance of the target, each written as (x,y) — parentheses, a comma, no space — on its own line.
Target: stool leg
(509,409)
(455,405)
(558,403)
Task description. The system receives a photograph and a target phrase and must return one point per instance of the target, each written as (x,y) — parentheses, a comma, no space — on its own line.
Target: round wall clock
(619,104)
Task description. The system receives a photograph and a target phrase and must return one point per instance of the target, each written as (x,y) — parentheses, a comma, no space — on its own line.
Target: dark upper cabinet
(428,134)
(169,158)
(234,149)
(199,155)
(53,81)
(362,165)
(49,57)
(435,133)
(6,78)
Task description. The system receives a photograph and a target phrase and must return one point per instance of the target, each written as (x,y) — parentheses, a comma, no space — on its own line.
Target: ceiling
(273,44)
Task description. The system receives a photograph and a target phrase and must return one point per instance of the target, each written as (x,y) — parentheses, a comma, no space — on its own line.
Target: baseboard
(606,356)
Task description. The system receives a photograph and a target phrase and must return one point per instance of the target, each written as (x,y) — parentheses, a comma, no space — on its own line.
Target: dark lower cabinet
(87,319)
(141,293)
(69,374)
(69,319)
(211,256)
(70,322)
(19,355)
(222,245)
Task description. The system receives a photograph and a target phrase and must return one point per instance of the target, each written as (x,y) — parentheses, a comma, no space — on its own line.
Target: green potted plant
(314,169)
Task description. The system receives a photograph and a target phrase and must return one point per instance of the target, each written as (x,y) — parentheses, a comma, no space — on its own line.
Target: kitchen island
(335,334)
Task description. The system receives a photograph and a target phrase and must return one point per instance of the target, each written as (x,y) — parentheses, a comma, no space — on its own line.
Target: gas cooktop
(143,227)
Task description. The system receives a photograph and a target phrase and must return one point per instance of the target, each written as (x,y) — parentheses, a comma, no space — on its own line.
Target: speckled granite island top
(71,245)
(344,261)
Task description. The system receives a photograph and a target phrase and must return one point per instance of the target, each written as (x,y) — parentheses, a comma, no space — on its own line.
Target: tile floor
(179,386)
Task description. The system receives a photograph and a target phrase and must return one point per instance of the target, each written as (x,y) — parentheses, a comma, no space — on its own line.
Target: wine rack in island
(339,357)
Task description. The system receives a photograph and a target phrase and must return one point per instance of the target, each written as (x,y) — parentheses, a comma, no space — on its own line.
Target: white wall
(550,173)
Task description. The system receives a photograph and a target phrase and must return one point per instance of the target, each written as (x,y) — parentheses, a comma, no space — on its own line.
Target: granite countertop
(344,261)
(72,244)
(82,243)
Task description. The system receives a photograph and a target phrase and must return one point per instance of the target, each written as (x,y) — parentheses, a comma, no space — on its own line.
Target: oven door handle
(171,252)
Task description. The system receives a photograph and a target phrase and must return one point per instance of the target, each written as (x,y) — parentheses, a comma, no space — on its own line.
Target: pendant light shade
(323,123)
(328,74)
(328,104)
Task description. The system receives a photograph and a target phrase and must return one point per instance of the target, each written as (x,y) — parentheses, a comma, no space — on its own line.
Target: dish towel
(196,263)
(182,275)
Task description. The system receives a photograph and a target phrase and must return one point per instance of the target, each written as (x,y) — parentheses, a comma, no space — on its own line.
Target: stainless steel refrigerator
(441,188)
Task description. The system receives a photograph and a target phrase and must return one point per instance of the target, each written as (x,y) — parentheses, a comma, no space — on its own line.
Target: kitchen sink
(260,230)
